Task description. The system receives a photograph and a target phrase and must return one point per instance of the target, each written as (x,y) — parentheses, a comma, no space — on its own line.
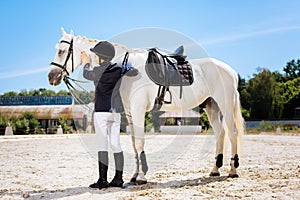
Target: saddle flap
(155,69)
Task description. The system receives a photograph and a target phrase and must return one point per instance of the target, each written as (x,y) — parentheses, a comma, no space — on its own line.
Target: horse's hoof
(214,174)
(140,182)
(233,175)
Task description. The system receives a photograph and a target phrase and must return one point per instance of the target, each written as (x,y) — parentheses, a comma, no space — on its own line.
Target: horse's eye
(61,52)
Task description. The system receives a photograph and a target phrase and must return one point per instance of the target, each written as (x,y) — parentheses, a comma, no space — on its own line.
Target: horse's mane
(90,40)
(137,50)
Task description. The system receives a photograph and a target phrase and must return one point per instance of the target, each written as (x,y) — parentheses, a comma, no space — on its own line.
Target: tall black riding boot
(103,166)
(119,164)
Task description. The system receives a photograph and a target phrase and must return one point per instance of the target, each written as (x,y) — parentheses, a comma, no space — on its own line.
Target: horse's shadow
(184,183)
(68,192)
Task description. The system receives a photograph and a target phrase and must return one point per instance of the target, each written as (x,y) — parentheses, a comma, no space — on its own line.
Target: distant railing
(253,124)
(35,100)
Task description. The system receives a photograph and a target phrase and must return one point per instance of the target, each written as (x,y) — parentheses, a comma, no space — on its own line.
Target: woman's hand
(84,58)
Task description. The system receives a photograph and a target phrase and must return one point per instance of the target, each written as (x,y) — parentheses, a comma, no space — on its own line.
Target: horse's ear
(63,32)
(72,33)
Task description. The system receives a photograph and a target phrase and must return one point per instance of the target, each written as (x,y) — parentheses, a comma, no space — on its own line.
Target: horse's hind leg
(234,162)
(216,120)
(229,118)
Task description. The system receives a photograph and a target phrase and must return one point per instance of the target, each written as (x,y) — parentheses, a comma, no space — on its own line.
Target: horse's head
(63,63)
(67,57)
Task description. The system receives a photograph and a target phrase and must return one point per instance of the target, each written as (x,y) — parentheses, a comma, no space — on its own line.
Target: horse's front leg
(136,172)
(138,142)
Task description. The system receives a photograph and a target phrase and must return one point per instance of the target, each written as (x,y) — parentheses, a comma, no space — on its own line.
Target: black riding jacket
(107,80)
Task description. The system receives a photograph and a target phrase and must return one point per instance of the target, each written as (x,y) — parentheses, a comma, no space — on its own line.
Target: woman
(108,106)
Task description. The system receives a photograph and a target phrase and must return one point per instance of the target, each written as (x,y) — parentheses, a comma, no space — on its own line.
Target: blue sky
(244,34)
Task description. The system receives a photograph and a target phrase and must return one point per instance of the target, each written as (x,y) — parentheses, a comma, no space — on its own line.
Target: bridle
(70,53)
(67,78)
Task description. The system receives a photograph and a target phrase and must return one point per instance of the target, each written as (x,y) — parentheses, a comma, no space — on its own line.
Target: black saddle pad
(165,72)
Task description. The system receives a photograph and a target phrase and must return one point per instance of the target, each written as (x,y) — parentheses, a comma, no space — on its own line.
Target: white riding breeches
(107,127)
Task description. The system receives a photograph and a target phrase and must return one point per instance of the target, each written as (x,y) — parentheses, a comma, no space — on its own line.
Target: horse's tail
(239,122)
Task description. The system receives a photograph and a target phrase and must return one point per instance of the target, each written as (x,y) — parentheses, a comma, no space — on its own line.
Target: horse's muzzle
(54,77)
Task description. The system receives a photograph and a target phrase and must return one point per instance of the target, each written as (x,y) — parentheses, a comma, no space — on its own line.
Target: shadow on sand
(69,192)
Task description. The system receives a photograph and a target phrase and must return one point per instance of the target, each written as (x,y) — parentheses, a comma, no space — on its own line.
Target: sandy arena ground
(62,166)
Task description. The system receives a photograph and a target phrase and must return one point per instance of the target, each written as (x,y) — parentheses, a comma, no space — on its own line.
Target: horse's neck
(84,44)
(120,49)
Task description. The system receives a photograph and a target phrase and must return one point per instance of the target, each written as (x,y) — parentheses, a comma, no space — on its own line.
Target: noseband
(70,52)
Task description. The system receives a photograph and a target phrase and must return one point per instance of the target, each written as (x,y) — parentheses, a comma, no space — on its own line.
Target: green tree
(22,124)
(278,77)
(66,125)
(290,92)
(4,121)
(147,123)
(84,97)
(23,92)
(33,122)
(45,92)
(244,97)
(265,101)
(241,83)
(63,93)
(204,120)
(35,92)
(292,69)
(277,102)
(10,94)
(25,124)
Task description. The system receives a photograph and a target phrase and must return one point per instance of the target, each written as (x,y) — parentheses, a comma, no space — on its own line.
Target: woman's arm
(88,73)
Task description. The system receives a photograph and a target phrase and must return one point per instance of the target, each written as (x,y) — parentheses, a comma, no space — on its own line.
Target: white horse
(215,86)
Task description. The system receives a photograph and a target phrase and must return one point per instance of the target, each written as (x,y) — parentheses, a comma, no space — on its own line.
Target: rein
(73,90)
(70,52)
